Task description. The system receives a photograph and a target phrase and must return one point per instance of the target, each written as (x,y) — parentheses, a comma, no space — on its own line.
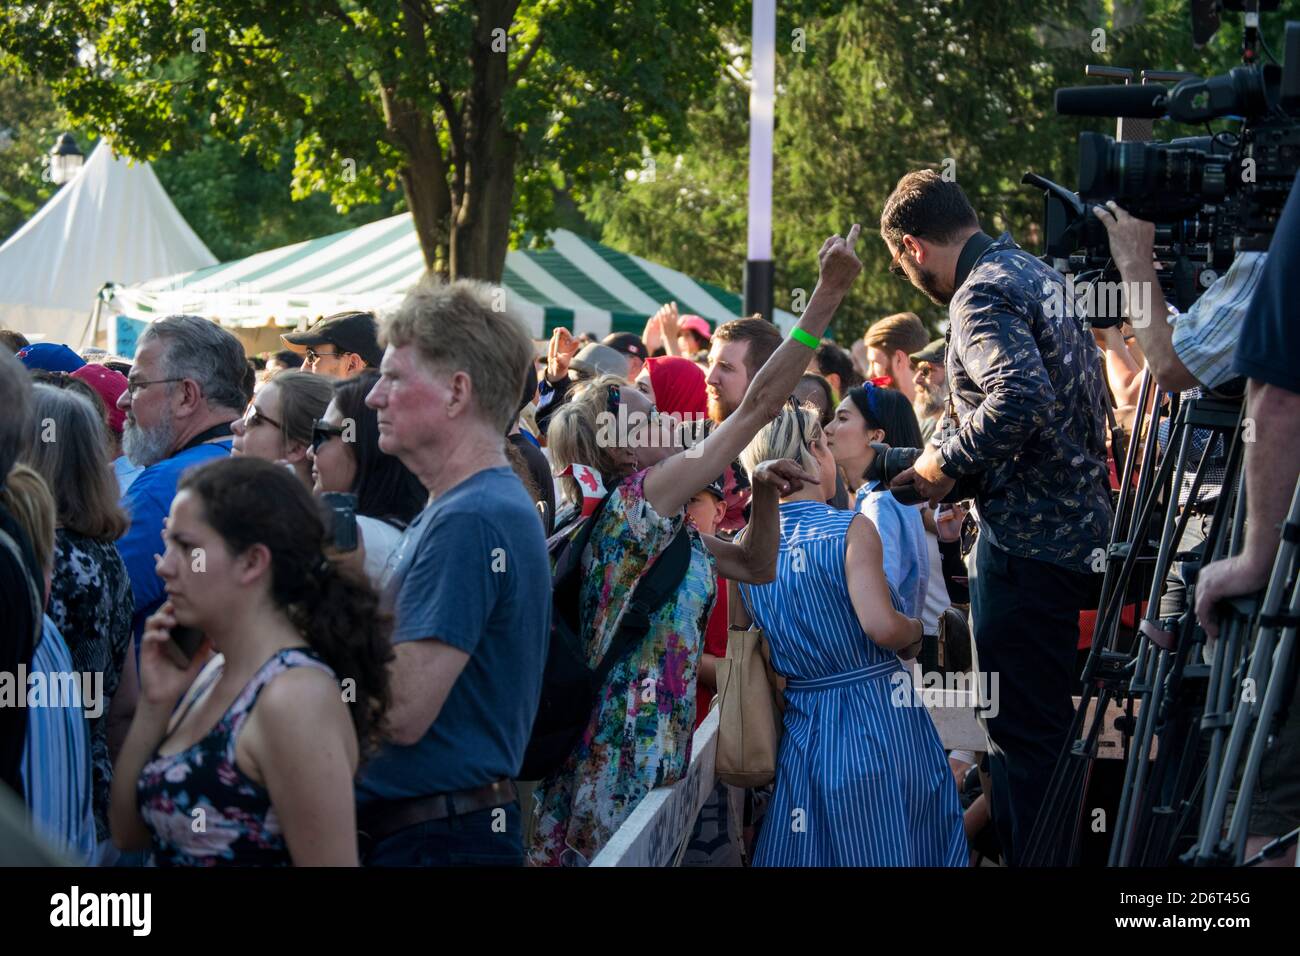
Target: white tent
(112,223)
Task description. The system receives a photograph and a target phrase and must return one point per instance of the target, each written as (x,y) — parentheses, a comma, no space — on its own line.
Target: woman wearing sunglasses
(871,414)
(861,769)
(344,456)
(277,423)
(639,734)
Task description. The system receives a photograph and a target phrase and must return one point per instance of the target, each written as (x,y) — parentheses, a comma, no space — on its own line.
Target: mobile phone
(342,519)
(184,644)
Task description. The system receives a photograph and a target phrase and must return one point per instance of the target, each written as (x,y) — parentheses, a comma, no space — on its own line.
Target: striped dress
(861,777)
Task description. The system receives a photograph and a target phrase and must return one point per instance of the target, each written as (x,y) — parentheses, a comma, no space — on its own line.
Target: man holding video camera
(1026,383)
(1191,353)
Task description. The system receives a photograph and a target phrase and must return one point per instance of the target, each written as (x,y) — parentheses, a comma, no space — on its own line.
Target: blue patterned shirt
(1028,389)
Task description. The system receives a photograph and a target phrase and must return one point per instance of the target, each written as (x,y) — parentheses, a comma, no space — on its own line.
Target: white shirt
(379,538)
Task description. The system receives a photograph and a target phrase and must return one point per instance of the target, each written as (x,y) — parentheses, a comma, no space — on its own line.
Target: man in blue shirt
(190,380)
(469,585)
(1027,388)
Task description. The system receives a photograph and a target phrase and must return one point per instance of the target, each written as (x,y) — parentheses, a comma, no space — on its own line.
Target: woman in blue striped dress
(862,779)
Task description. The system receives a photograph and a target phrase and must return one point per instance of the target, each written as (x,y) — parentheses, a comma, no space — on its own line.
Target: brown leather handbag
(751,702)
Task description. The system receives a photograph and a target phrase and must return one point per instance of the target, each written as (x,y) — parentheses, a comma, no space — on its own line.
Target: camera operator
(1192,355)
(1268,344)
(1026,383)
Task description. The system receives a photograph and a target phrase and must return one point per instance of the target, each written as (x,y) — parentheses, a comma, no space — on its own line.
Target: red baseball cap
(110,385)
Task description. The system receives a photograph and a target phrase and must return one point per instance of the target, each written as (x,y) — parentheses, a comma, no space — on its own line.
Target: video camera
(1210,197)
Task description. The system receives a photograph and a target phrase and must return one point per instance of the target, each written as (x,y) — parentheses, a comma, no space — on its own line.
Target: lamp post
(759,269)
(65,160)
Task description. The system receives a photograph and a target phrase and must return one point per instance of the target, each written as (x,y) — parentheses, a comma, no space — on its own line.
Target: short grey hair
(199,349)
(16,400)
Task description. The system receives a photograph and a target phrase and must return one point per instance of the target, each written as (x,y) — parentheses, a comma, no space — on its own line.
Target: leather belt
(386,817)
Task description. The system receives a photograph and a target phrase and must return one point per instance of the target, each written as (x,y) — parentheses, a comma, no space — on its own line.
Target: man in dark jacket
(1028,391)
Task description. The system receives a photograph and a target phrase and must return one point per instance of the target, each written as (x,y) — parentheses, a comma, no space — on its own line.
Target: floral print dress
(91,605)
(200,807)
(639,736)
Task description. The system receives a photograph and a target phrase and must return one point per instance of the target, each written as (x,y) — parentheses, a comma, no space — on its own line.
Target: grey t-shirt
(470,571)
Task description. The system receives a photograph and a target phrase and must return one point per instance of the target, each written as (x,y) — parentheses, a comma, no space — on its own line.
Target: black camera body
(1210,197)
(890,462)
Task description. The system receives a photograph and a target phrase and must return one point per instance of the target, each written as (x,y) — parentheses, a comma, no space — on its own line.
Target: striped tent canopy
(576,283)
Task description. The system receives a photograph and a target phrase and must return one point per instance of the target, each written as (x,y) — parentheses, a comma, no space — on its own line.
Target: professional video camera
(1210,197)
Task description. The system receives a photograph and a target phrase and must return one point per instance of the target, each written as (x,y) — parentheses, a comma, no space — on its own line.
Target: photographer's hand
(927,477)
(1132,241)
(1132,247)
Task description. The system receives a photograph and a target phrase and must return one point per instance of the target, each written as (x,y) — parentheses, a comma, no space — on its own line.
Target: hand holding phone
(171,655)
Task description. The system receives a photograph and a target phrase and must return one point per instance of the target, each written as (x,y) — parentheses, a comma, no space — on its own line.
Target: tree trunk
(424,176)
(482,205)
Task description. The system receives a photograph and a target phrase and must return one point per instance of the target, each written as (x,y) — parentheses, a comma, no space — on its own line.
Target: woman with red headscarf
(676,387)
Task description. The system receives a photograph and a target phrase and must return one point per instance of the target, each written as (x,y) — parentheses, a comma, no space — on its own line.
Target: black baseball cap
(346,331)
(629,343)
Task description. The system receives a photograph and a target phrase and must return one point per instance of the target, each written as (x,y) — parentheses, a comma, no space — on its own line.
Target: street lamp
(65,160)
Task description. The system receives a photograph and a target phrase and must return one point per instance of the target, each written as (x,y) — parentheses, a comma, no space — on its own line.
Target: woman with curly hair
(253,764)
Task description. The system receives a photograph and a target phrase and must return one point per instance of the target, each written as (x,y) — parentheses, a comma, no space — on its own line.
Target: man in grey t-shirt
(469,585)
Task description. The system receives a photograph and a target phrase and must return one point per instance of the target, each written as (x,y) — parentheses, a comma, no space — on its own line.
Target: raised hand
(837,261)
(559,353)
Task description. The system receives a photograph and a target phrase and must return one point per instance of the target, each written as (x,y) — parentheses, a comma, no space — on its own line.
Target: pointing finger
(852,239)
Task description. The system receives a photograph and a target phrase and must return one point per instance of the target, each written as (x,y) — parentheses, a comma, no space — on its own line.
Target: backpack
(570,689)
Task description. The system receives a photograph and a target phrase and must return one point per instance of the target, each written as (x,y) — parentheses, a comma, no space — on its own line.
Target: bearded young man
(1029,395)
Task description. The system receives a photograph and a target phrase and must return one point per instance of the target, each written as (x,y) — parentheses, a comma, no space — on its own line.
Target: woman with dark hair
(344,456)
(277,425)
(262,747)
(90,593)
(869,414)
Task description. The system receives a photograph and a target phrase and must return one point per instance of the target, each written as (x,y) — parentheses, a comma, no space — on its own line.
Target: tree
(871,90)
(30,122)
(478,109)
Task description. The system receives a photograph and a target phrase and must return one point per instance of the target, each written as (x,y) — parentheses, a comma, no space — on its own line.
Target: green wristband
(805,338)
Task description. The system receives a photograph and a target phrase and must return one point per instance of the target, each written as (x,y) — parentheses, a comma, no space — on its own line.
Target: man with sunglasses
(1027,387)
(339,345)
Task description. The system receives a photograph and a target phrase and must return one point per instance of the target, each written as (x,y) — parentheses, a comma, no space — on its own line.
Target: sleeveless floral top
(201,808)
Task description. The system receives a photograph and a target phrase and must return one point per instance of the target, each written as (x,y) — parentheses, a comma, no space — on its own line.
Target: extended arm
(670,484)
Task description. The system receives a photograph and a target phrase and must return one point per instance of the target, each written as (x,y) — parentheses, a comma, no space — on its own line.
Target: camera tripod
(1245,709)
(1160,681)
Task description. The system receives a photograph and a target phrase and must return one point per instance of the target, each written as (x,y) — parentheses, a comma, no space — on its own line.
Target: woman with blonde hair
(862,779)
(639,733)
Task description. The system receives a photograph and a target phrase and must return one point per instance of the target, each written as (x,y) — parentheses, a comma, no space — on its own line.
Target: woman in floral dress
(639,734)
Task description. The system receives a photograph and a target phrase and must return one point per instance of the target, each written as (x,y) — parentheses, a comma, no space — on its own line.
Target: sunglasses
(321,432)
(798,418)
(896,265)
(254,416)
(313,356)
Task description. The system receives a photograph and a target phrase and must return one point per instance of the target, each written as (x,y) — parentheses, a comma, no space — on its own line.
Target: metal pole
(759,268)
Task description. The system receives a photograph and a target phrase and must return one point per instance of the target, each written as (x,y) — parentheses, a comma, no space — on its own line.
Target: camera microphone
(1146,101)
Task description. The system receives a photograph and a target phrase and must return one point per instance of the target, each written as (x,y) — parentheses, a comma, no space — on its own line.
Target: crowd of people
(309,602)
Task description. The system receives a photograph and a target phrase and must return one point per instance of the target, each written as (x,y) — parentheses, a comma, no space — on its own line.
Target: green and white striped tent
(577,283)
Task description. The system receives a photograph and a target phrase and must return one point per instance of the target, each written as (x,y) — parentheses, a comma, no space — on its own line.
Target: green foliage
(882,88)
(30,123)
(517,94)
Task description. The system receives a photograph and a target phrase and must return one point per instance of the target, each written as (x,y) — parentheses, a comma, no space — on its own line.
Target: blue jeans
(491,837)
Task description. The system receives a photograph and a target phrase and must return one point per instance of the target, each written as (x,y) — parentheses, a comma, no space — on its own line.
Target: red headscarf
(678,384)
